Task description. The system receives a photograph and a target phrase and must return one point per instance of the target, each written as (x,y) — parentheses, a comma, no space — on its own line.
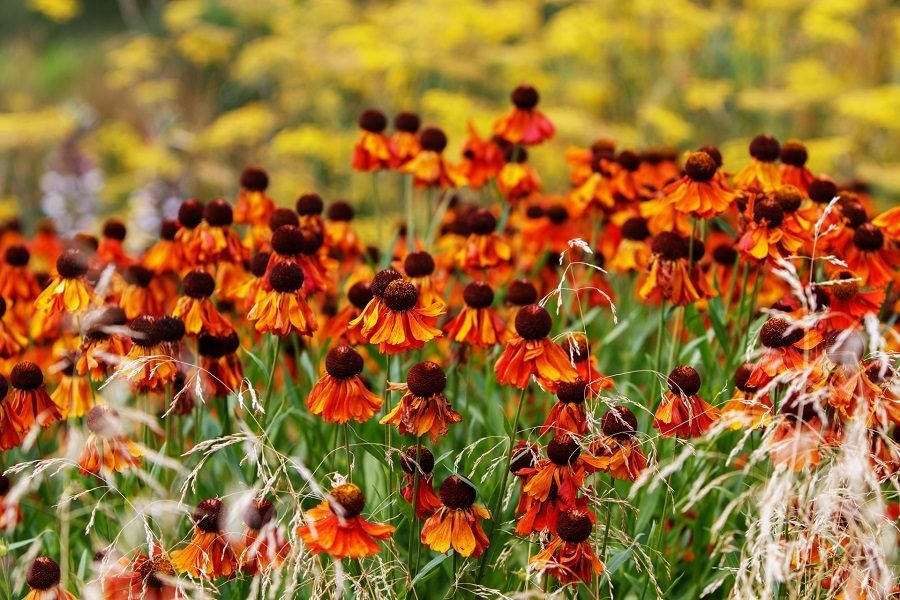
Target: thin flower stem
(410,220)
(347,450)
(498,500)
(414,523)
(271,379)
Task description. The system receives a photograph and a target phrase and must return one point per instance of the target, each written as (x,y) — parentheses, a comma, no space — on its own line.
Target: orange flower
(793,169)
(67,291)
(253,206)
(10,437)
(338,326)
(149,368)
(868,257)
(221,372)
(517,179)
(340,394)
(282,310)
(144,577)
(761,173)
(570,557)
(395,319)
(783,343)
(481,159)
(766,236)
(568,415)
(164,256)
(404,144)
(190,215)
(457,522)
(633,252)
(419,458)
(142,293)
(304,248)
(100,349)
(848,304)
(564,470)
(618,451)
(196,308)
(672,275)
(578,350)
(217,242)
(106,447)
(109,249)
(700,192)
(800,435)
(18,283)
(210,553)
(10,512)
(529,353)
(748,406)
(73,395)
(336,527)
(663,217)
(524,124)
(341,240)
(888,222)
(429,167)
(682,412)
(484,248)
(419,268)
(423,408)
(372,151)
(264,545)
(12,342)
(43,579)
(595,191)
(28,405)
(477,323)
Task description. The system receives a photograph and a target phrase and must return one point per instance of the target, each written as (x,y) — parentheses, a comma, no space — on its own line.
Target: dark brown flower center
(259,262)
(523,457)
(457,493)
(43,573)
(258,513)
(574,526)
(848,287)
(770,211)
(218,213)
(700,167)
(209,515)
(198,284)
(765,148)
(340,210)
(822,191)
(407,122)
(635,229)
(383,279)
(619,422)
(433,139)
(418,264)
(775,333)
(26,376)
(287,240)
(789,198)
(426,379)
(668,245)
(102,420)
(868,238)
(154,570)
(417,457)
(360,293)
(401,295)
(533,322)
(255,179)
(574,392)
(170,329)
(138,275)
(563,450)
(521,293)
(684,380)
(282,217)
(343,362)
(286,277)
(190,213)
(725,254)
(482,222)
(373,120)
(310,204)
(742,376)
(525,97)
(144,331)
(17,256)
(350,498)
(794,153)
(854,212)
(114,229)
(478,294)
(72,264)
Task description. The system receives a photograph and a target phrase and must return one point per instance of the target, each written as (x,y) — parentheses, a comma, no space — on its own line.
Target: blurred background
(127,106)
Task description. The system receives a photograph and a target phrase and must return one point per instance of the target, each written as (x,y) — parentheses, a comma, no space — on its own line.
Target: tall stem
(498,500)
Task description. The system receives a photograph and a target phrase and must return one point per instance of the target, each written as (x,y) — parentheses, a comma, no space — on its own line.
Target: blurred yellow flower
(206,44)
(56,10)
(245,126)
(34,129)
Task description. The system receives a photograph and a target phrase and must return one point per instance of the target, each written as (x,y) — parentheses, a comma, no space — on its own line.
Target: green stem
(498,500)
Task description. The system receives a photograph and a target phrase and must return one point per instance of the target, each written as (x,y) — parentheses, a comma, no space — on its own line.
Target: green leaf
(430,567)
